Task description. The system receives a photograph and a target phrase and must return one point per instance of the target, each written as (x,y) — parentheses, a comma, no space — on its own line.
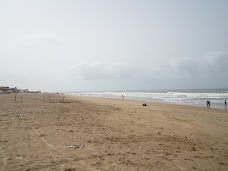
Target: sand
(87,133)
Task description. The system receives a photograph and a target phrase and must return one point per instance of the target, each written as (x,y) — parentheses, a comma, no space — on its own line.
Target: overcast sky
(72,45)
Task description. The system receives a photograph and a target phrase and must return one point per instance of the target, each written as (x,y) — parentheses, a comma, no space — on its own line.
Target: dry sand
(116,134)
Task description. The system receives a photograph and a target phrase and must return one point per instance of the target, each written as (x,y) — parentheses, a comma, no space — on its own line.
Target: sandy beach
(91,134)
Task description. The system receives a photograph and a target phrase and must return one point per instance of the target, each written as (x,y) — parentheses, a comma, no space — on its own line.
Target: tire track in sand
(82,163)
(48,144)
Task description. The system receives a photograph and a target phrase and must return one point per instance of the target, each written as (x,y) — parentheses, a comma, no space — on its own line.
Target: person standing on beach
(225,103)
(122,97)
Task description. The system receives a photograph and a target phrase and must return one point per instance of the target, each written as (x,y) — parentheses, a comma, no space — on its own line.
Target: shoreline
(158,102)
(138,103)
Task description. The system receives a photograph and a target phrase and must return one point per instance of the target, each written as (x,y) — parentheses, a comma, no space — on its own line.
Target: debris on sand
(76,146)
(70,169)
(193,148)
(144,104)
(18,157)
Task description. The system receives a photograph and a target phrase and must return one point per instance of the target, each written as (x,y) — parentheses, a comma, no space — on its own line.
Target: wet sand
(87,133)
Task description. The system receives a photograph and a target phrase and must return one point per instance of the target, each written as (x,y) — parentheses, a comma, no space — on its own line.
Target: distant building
(4,88)
(7,90)
(15,90)
(23,91)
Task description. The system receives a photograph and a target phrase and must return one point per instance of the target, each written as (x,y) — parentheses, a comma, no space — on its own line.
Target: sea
(192,97)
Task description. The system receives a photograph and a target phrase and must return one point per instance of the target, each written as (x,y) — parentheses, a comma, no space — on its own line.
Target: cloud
(103,71)
(209,70)
(214,63)
(206,71)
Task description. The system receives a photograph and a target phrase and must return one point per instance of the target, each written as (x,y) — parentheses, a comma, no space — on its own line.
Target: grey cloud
(214,63)
(205,71)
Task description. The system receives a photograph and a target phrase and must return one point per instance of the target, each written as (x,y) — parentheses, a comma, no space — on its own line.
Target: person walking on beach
(225,103)
(122,97)
(208,103)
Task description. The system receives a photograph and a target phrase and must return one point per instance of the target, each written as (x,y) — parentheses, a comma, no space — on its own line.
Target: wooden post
(15,98)
(49,99)
(21,99)
(63,99)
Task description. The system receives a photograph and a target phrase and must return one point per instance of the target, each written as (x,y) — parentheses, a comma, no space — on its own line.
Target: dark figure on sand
(208,103)
(122,97)
(225,103)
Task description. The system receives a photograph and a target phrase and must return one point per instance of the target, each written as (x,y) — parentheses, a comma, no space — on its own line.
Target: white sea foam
(190,97)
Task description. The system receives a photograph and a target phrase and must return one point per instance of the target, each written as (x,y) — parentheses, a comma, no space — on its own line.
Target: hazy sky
(72,45)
